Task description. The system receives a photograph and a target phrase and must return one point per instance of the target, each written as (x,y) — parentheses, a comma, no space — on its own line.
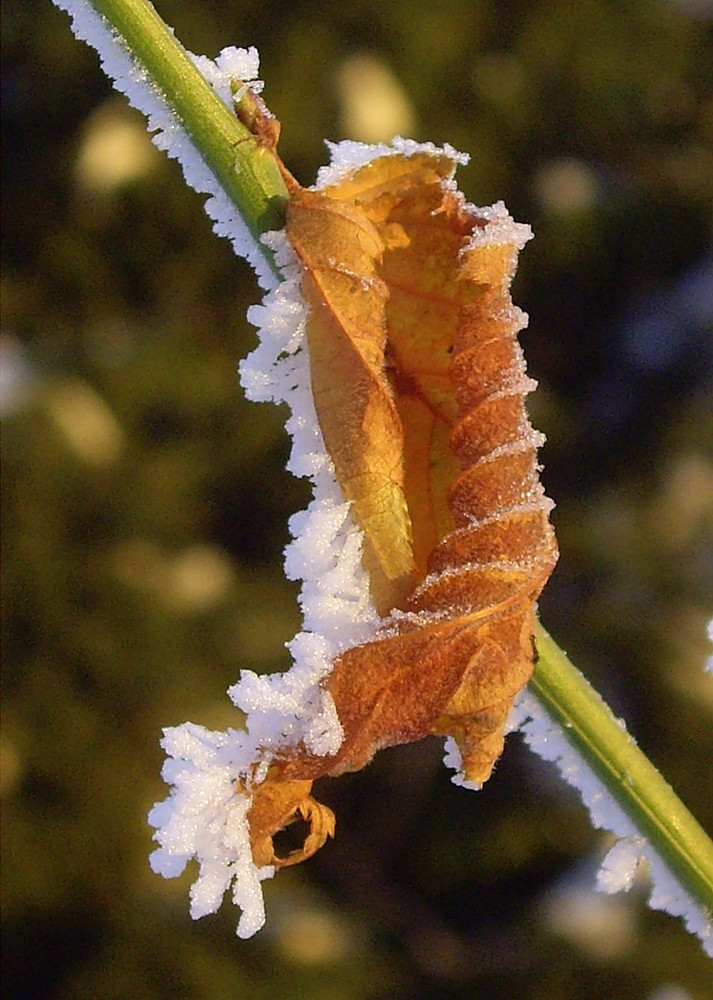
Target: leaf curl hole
(291,838)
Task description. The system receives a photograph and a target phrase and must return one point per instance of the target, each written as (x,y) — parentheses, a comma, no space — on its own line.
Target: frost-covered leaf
(419,386)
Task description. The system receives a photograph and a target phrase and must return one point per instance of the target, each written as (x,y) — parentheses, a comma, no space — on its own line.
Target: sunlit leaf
(419,385)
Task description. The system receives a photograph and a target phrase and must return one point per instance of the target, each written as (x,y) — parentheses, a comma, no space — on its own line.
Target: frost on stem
(620,866)
(168,133)
(212,774)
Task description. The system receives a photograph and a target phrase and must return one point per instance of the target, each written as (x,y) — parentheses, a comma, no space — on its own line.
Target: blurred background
(145,502)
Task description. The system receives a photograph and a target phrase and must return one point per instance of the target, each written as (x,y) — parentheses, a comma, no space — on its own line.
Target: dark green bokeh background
(146,504)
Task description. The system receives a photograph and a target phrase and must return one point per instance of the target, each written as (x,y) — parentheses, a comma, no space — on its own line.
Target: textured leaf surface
(419,386)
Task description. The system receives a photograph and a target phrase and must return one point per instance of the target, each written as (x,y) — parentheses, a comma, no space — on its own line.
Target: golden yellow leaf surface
(419,387)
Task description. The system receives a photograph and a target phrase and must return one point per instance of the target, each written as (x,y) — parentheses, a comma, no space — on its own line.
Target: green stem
(630,777)
(247,172)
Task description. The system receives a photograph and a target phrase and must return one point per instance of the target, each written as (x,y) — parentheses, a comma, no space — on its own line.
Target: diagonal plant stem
(247,172)
(590,726)
(249,175)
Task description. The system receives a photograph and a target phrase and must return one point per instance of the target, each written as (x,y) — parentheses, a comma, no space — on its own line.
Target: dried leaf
(347,340)
(275,805)
(419,386)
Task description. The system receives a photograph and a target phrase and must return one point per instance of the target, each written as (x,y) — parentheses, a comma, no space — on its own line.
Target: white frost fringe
(203,817)
(620,866)
(132,80)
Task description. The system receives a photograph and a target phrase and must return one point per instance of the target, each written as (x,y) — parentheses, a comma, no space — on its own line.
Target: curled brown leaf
(419,386)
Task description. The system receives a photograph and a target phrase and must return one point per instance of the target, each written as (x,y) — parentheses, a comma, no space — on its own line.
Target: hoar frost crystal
(211,774)
(205,817)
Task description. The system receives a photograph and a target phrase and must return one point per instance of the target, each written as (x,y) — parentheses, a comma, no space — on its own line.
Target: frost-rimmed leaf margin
(140,47)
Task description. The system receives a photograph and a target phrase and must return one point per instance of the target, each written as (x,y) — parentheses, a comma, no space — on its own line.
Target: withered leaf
(276,803)
(419,386)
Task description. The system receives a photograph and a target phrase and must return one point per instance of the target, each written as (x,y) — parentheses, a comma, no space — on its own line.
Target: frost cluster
(205,814)
(204,819)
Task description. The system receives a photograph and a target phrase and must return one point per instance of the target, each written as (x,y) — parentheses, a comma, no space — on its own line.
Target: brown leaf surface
(419,386)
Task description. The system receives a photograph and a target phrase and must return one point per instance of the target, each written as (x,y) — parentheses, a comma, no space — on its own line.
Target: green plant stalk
(655,809)
(250,177)
(246,170)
